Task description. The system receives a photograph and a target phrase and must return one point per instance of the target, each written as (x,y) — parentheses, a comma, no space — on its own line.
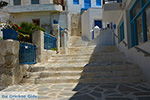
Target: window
(36,21)
(98,2)
(17,2)
(87,4)
(35,2)
(139,22)
(98,23)
(75,1)
(121,32)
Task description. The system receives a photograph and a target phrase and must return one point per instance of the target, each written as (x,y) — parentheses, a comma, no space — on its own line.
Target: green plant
(29,28)
(54,49)
(26,30)
(1,38)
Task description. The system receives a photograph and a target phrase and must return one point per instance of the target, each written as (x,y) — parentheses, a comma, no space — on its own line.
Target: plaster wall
(87,20)
(132,54)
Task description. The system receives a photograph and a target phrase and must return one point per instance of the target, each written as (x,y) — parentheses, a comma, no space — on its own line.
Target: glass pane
(148,22)
(17,2)
(34,1)
(139,29)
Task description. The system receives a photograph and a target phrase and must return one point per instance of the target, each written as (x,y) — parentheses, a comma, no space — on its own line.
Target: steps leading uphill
(86,64)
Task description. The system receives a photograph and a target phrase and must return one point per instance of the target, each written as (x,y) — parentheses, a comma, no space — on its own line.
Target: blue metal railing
(49,42)
(10,34)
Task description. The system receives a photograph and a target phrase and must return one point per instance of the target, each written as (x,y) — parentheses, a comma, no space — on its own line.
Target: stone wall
(10,70)
(41,54)
(75,25)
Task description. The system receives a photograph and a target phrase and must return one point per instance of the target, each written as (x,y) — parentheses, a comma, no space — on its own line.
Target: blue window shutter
(121,32)
(98,2)
(87,4)
(75,1)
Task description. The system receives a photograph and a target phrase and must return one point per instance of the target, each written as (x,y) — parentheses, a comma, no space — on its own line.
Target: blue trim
(98,2)
(141,11)
(87,4)
(76,2)
(134,36)
(121,32)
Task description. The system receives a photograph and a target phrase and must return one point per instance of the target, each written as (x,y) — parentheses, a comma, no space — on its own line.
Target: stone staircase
(86,64)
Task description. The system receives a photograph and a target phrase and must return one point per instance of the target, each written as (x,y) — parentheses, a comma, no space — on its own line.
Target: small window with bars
(17,2)
(35,2)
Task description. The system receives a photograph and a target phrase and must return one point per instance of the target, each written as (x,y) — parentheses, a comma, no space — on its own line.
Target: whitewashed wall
(72,8)
(131,53)
(28,2)
(88,21)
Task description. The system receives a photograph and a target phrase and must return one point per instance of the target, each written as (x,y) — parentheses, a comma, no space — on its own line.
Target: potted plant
(26,30)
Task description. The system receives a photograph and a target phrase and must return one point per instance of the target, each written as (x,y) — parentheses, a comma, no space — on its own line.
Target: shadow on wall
(105,38)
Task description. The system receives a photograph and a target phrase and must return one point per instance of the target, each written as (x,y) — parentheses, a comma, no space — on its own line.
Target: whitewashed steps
(104,65)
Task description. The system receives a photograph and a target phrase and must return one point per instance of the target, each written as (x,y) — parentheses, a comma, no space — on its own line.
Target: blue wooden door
(98,23)
(87,4)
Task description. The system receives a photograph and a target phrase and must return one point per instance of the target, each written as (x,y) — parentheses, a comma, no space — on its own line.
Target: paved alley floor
(86,91)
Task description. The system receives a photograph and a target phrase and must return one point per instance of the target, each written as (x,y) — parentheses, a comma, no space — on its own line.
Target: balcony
(45,5)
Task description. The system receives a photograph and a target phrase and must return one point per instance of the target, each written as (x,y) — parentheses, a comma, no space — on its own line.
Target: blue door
(87,4)
(98,23)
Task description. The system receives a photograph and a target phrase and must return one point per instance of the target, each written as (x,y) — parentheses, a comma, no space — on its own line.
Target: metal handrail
(146,54)
(122,41)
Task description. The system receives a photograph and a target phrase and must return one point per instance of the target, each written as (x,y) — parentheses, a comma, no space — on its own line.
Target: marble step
(90,80)
(95,74)
(84,50)
(95,60)
(88,67)
(99,54)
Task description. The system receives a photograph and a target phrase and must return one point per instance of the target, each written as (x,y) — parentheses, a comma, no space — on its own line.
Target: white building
(44,13)
(133,30)
(76,6)
(83,16)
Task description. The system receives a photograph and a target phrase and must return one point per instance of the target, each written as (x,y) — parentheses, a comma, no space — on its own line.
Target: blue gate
(27,53)
(49,42)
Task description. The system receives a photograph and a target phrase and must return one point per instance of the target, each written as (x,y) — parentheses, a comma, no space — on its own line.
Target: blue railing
(10,34)
(27,53)
(49,42)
